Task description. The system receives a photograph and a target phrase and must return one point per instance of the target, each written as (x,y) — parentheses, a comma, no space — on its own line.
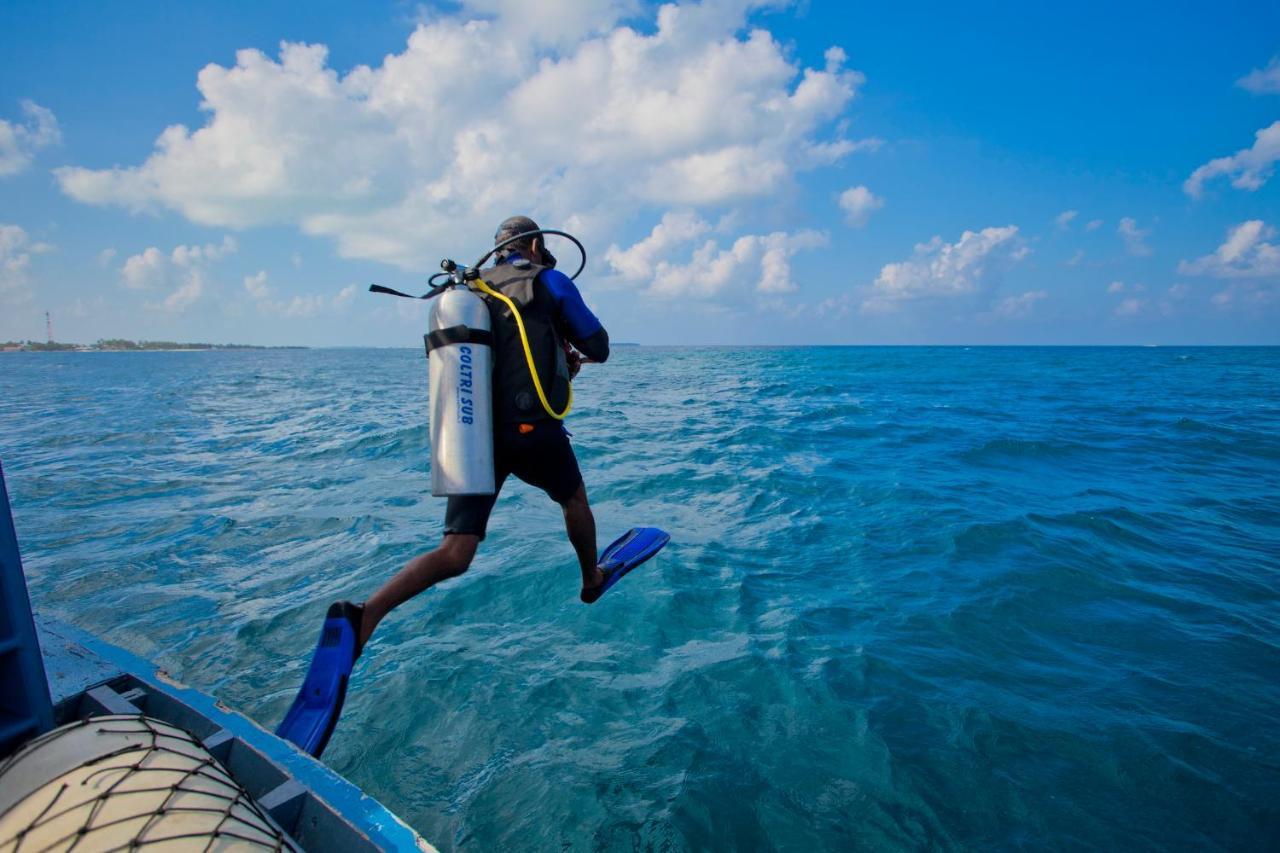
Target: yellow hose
(483,287)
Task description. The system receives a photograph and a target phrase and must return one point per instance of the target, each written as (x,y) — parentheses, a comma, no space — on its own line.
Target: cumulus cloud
(144,270)
(1263,81)
(299,306)
(1246,253)
(19,141)
(938,269)
(858,203)
(1015,307)
(560,22)
(1130,307)
(1251,295)
(814,154)
(1064,218)
(761,262)
(1249,168)
(1135,238)
(183,271)
(640,261)
(16,250)
(583,123)
(344,298)
(188,292)
(256,285)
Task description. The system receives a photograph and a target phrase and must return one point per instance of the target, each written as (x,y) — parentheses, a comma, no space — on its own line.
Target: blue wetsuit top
(581,327)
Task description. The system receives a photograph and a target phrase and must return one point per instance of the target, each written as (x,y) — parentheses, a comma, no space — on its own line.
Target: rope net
(126,783)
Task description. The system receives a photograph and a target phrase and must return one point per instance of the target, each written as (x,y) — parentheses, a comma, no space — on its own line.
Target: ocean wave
(910,592)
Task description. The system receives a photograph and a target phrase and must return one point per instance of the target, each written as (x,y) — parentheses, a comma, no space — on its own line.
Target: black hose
(530,234)
(437,289)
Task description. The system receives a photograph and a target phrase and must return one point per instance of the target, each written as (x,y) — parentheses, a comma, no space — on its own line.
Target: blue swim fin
(314,713)
(628,551)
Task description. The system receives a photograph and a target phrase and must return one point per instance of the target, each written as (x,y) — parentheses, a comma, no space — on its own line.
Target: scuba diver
(540,330)
(527,442)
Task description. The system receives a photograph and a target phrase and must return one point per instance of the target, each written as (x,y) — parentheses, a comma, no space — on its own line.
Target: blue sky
(740,172)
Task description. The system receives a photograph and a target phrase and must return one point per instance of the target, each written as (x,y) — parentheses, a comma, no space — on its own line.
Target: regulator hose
(483,287)
(471,278)
(529,235)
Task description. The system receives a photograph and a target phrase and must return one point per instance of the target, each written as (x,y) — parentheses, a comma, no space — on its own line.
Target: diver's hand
(574,359)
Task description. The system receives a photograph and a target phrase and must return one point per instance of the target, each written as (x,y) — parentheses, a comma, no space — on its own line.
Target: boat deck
(319,809)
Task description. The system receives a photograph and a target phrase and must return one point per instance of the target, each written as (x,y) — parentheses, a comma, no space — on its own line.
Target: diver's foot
(355,616)
(591,594)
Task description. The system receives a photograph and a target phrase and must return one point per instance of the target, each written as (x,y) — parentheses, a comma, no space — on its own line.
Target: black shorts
(541,458)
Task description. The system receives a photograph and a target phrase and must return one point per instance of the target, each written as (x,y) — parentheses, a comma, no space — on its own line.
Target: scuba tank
(460,360)
(460,365)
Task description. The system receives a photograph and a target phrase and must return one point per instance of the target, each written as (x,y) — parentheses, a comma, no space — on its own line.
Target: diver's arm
(581,327)
(595,347)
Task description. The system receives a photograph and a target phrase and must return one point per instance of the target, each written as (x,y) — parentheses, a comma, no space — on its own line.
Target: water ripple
(915,598)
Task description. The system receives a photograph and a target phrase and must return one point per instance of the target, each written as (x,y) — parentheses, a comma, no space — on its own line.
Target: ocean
(915,598)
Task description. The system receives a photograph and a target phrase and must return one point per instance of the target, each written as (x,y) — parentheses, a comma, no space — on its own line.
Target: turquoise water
(915,598)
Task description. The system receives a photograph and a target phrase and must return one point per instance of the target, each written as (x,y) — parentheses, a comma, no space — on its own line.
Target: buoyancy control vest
(514,396)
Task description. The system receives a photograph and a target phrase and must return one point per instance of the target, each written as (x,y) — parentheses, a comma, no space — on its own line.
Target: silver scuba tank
(460,359)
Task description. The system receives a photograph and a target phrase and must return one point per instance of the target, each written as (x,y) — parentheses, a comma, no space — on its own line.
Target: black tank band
(457,335)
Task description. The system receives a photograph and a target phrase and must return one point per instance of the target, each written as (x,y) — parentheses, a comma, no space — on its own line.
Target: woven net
(126,783)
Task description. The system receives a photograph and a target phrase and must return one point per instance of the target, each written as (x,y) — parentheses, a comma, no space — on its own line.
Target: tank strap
(457,335)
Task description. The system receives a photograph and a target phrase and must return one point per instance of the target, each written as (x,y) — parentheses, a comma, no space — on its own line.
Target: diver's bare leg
(449,559)
(580,524)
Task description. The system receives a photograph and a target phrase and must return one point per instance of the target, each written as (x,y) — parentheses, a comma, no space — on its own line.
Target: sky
(740,172)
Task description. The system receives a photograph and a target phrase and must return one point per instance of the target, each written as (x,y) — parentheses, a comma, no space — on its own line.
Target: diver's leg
(580,524)
(449,559)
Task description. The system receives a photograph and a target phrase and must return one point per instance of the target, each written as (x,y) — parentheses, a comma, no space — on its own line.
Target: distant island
(121,345)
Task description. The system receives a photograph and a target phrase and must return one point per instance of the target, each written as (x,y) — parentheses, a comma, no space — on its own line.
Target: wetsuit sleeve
(582,328)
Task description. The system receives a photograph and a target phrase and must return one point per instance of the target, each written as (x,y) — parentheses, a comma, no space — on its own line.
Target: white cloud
(1014,307)
(1064,218)
(1263,81)
(105,257)
(20,142)
(815,154)
(759,260)
(1093,225)
(1131,307)
(1135,238)
(640,261)
(16,250)
(859,203)
(187,293)
(1244,254)
(1252,295)
(1249,168)
(592,119)
(1074,260)
(1173,297)
(344,298)
(145,270)
(1116,287)
(184,271)
(300,306)
(942,270)
(256,285)
(559,22)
